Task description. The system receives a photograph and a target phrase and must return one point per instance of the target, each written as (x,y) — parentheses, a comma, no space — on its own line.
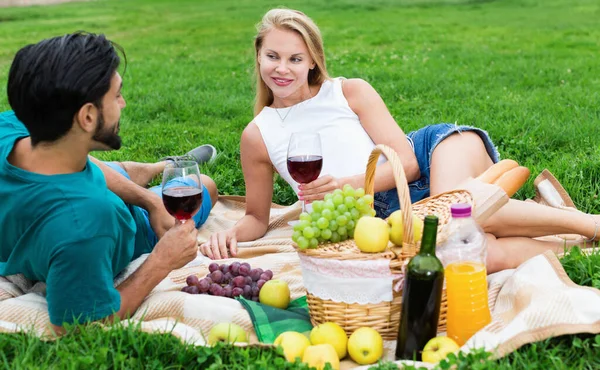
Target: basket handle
(401,186)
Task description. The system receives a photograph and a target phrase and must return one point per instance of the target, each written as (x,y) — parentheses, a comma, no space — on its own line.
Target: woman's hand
(317,189)
(218,243)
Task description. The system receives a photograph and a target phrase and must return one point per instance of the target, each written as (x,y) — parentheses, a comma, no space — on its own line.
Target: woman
(295,94)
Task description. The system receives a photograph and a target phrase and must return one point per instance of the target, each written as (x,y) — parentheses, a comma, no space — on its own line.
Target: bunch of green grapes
(334,218)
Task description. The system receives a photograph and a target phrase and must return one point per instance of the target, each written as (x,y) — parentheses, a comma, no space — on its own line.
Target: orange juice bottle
(463,255)
(466,289)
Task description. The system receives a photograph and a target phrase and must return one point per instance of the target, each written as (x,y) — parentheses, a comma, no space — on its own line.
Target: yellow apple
(397,227)
(275,293)
(293,344)
(371,234)
(330,333)
(365,346)
(228,333)
(438,348)
(318,355)
(417,228)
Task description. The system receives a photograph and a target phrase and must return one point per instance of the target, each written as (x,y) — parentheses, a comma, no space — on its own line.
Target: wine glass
(304,158)
(182,189)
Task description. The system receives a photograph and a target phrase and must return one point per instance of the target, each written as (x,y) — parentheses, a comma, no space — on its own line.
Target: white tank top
(346,146)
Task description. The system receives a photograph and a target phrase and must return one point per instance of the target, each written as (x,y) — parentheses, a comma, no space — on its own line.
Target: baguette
(496,170)
(512,180)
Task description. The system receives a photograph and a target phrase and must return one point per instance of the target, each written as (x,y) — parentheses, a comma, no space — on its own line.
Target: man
(68,219)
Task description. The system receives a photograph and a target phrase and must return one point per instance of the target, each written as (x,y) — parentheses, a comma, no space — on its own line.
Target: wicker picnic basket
(384,316)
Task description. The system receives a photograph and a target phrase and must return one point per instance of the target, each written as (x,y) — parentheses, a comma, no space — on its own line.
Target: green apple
(371,234)
(365,346)
(228,333)
(397,228)
(275,293)
(438,348)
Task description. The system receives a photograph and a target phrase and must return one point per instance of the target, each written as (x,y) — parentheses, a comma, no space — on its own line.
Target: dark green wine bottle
(421,297)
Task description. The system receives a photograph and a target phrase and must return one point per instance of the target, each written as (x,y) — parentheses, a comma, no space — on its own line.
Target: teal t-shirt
(68,231)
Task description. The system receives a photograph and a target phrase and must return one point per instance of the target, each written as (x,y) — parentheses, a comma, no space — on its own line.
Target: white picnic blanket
(531,303)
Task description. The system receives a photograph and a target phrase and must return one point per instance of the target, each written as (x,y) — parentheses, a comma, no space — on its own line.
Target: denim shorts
(199,218)
(424,141)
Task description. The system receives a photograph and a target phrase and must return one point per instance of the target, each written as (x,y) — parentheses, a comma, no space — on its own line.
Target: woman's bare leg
(518,218)
(510,230)
(463,155)
(509,253)
(455,159)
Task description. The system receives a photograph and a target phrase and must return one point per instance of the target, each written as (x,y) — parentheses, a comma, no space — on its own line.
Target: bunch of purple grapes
(237,279)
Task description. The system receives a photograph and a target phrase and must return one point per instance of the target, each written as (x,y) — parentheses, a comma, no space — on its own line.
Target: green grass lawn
(525,70)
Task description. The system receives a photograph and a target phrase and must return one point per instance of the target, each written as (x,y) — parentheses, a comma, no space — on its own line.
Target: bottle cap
(460,210)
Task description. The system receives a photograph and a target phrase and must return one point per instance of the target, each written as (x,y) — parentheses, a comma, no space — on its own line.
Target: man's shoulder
(87,189)
(61,209)
(89,207)
(91,203)
(74,221)
(83,192)
(64,214)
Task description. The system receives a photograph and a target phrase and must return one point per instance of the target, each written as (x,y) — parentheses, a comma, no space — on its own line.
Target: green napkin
(269,321)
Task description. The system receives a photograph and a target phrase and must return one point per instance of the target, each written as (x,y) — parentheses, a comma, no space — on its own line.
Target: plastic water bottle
(463,255)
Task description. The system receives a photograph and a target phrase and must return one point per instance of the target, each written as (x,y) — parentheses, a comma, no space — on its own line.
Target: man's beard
(107,137)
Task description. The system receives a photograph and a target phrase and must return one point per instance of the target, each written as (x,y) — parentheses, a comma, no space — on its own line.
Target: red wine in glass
(305,168)
(182,202)
(182,189)
(304,158)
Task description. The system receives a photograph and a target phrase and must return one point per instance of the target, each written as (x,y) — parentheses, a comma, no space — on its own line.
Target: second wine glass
(182,189)
(304,158)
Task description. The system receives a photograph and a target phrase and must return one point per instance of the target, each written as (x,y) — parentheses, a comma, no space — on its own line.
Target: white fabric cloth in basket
(360,282)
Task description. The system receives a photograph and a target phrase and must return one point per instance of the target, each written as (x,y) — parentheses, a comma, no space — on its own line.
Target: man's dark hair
(50,81)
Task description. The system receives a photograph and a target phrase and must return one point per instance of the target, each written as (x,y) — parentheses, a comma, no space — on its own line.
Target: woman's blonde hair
(291,20)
